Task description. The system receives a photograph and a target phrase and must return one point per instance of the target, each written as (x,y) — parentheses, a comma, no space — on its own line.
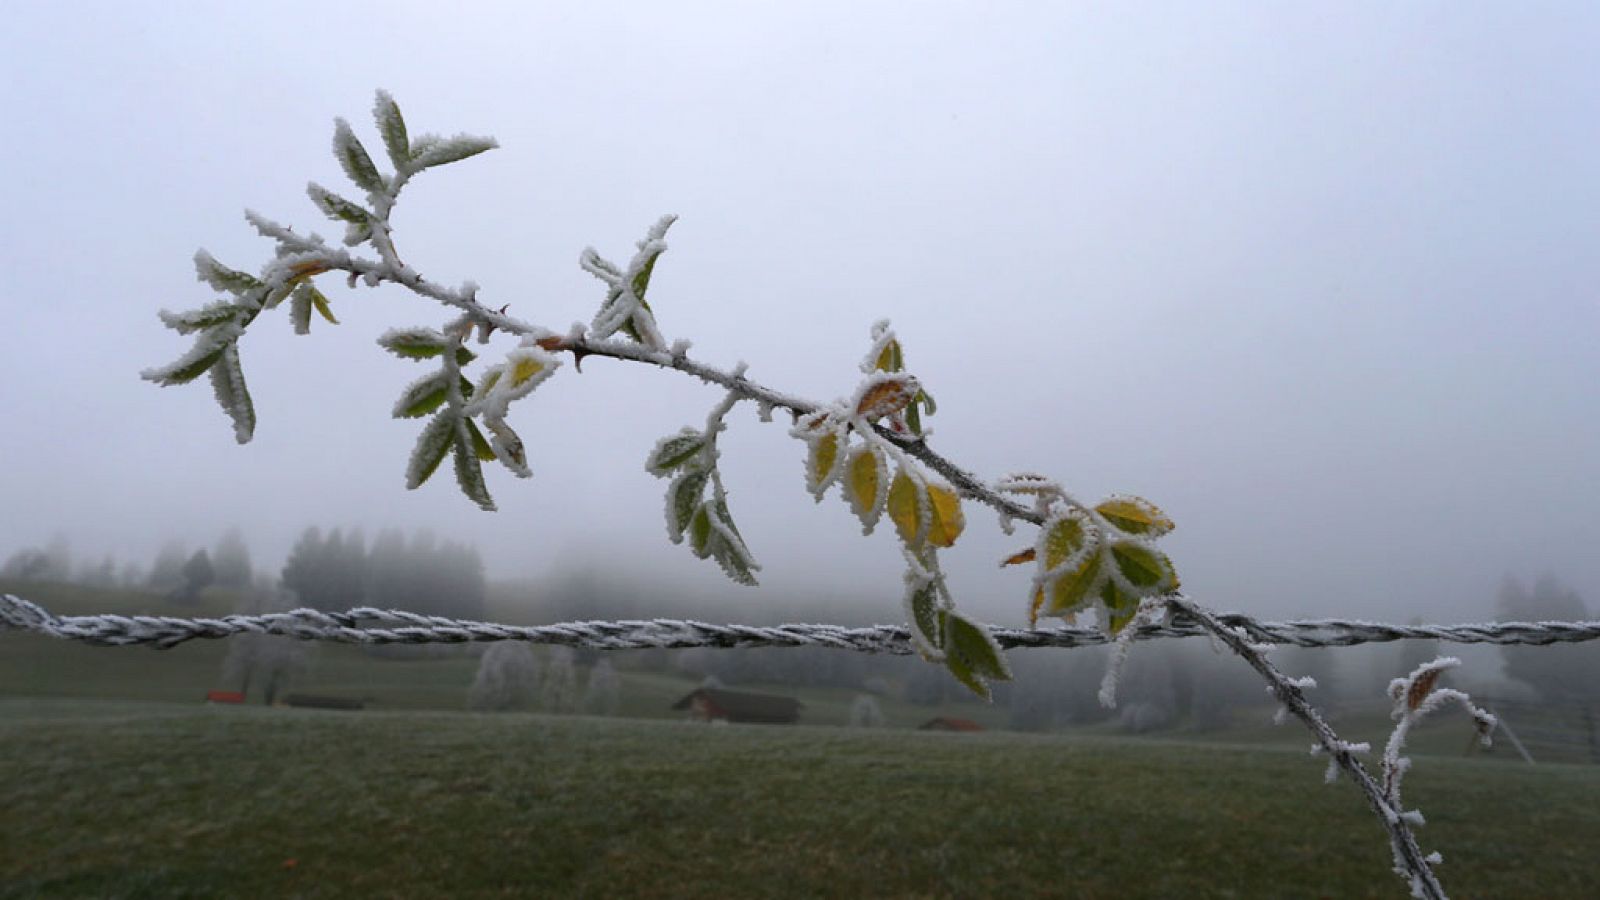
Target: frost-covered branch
(1088,558)
(1409,860)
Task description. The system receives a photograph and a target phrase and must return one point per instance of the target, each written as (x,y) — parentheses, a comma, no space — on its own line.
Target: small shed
(947,723)
(719,704)
(225,697)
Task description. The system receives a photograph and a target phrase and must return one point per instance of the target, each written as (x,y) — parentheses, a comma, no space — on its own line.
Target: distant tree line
(337,571)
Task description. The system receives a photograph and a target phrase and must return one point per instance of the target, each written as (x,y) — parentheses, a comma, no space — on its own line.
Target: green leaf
(221,277)
(719,505)
(1121,605)
(1071,590)
(207,349)
(209,316)
(963,672)
(700,532)
(429,151)
(683,495)
(469,471)
(922,615)
(338,208)
(974,644)
(422,396)
(432,444)
(354,160)
(1146,569)
(731,556)
(392,126)
(673,451)
(320,303)
(423,343)
(227,382)
(480,445)
(641,279)
(1135,515)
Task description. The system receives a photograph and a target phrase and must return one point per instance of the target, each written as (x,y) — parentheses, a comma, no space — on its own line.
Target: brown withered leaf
(886,398)
(1421,688)
(1019,557)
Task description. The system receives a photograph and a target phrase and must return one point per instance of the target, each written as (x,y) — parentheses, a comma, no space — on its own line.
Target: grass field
(156,800)
(116,782)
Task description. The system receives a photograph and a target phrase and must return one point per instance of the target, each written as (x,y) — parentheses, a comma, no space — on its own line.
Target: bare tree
(559,692)
(866,713)
(603,693)
(508,677)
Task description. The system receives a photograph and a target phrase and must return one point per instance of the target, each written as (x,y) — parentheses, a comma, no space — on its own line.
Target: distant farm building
(721,705)
(317,701)
(946,723)
(224,696)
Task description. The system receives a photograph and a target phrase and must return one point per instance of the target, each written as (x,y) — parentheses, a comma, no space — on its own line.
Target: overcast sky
(1320,282)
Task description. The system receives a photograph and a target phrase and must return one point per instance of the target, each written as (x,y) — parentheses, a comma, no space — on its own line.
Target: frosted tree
(603,692)
(508,678)
(865,712)
(558,692)
(268,662)
(1097,559)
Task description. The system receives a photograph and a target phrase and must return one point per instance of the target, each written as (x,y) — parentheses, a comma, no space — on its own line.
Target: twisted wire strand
(368,625)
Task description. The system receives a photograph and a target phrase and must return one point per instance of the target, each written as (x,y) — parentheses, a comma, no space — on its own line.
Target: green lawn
(103,798)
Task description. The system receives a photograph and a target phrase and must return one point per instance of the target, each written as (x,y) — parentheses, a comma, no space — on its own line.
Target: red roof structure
(946,723)
(719,704)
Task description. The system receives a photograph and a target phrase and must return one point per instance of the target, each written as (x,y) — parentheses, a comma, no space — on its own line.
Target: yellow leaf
(523,369)
(1063,539)
(863,480)
(1035,606)
(1135,515)
(905,507)
(947,521)
(824,453)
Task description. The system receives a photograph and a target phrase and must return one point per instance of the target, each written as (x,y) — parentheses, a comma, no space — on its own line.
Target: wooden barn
(947,723)
(720,704)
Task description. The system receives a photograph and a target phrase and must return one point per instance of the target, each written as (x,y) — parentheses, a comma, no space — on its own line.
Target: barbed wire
(368,625)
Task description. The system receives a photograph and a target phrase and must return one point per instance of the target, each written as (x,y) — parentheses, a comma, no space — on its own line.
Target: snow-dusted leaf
(1062,539)
(480,445)
(732,556)
(884,394)
(429,151)
(973,642)
(683,495)
(220,277)
(1121,606)
(422,396)
(945,519)
(422,343)
(1035,607)
(866,485)
(1027,483)
(432,444)
(1135,515)
(392,126)
(209,316)
(300,309)
(700,532)
(824,463)
(469,471)
(673,451)
(1073,589)
(338,208)
(961,668)
(1145,569)
(227,382)
(354,160)
(922,615)
(908,508)
(508,447)
(207,349)
(890,357)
